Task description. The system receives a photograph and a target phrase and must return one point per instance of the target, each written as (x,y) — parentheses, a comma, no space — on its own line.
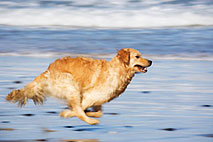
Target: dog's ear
(124,56)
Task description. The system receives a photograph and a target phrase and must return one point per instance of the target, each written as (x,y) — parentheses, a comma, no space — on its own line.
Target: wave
(146,15)
(192,57)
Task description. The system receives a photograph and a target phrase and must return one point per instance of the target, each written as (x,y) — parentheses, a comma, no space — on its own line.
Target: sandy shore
(173,102)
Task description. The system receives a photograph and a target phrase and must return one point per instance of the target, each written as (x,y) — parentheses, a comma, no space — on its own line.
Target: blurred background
(49,27)
(171,102)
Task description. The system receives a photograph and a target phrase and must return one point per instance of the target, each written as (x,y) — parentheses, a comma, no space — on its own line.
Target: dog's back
(84,71)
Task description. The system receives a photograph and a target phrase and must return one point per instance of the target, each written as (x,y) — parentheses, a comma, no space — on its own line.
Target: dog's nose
(150,62)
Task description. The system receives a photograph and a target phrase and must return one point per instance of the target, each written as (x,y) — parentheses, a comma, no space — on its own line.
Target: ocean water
(106,13)
(172,102)
(52,27)
(166,28)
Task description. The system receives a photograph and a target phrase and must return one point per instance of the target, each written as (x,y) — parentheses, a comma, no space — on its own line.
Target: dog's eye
(137,57)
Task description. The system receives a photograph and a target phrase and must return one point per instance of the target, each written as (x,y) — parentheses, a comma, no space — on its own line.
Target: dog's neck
(125,73)
(121,72)
(123,67)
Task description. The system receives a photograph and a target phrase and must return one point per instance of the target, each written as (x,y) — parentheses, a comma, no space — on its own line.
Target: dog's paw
(94,114)
(66,113)
(93,121)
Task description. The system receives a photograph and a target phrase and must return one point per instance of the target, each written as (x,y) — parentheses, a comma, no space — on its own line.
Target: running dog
(83,83)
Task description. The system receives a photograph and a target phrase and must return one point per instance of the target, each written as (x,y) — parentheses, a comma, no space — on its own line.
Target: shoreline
(172,101)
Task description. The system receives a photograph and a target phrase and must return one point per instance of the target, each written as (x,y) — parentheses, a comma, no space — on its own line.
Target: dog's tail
(34,90)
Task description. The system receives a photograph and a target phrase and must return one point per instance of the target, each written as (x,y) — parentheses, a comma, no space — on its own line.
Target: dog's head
(133,59)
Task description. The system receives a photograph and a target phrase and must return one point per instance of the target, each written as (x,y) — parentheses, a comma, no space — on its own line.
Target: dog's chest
(110,89)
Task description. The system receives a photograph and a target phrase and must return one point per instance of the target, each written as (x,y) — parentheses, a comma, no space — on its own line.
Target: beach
(172,102)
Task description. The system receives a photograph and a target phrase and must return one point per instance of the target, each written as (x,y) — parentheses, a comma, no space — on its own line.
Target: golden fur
(83,83)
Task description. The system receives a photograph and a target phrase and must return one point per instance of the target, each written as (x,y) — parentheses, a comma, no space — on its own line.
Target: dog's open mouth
(141,68)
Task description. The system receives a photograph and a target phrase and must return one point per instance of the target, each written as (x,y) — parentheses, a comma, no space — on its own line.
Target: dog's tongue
(143,69)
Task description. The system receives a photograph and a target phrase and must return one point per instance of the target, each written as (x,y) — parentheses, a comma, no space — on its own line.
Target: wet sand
(172,102)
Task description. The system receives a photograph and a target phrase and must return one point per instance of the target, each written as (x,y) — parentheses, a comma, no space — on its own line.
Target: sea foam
(106,14)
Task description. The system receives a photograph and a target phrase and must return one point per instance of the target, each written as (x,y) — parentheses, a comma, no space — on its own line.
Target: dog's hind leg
(97,112)
(67,113)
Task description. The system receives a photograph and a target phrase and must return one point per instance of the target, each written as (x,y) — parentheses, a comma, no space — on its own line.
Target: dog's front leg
(97,112)
(82,115)
(75,104)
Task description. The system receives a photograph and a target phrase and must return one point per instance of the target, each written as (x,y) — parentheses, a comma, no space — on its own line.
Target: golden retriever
(83,83)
